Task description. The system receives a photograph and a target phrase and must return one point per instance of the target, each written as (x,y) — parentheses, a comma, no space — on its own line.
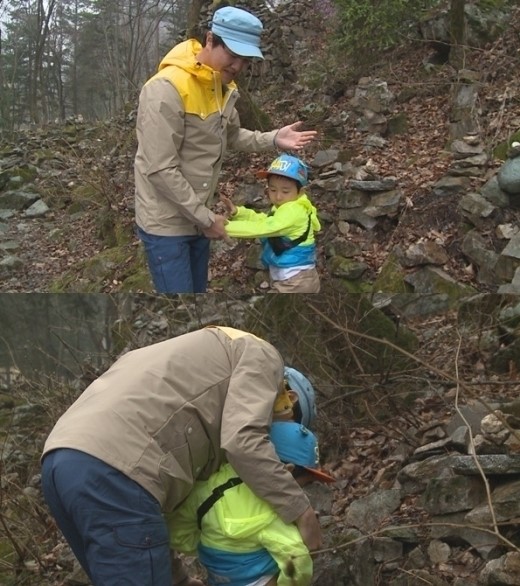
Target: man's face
(222,59)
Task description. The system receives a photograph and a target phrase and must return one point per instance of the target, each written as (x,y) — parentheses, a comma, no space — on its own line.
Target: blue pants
(178,264)
(114,526)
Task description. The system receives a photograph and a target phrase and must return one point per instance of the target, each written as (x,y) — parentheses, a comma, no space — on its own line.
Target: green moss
(40,155)
(138,281)
(453,290)
(7,561)
(501,150)
(17,176)
(78,206)
(391,277)
(354,286)
(120,263)
(86,191)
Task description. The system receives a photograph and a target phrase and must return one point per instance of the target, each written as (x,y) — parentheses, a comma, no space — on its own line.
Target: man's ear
(290,467)
(293,396)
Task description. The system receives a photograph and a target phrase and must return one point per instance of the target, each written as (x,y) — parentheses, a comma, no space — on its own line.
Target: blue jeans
(114,526)
(178,264)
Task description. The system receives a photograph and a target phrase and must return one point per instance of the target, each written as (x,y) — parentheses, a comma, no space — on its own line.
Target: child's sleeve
(182,527)
(249,224)
(283,541)
(247,214)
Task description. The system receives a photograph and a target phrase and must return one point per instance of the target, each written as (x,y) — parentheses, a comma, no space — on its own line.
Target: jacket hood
(184,56)
(241,514)
(304,201)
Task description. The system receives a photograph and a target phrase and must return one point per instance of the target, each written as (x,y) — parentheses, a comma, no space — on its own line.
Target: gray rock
(512,248)
(452,495)
(353,198)
(476,205)
(7,245)
(384,204)
(37,210)
(506,506)
(504,571)
(367,513)
(509,176)
(462,150)
(491,465)
(454,527)
(325,158)
(422,253)
(492,192)
(413,478)
(379,185)
(448,185)
(358,216)
(18,200)
(10,263)
(347,268)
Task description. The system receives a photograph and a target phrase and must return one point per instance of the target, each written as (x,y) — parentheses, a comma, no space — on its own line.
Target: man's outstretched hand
(290,138)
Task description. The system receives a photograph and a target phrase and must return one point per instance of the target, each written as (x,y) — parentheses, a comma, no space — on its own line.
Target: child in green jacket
(238,537)
(287,232)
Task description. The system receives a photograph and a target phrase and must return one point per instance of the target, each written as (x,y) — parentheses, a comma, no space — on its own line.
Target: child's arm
(182,527)
(250,224)
(284,543)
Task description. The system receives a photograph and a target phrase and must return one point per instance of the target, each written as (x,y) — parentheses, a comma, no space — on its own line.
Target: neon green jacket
(239,522)
(289,220)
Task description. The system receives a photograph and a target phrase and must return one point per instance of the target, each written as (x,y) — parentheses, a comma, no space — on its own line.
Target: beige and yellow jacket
(171,413)
(185,123)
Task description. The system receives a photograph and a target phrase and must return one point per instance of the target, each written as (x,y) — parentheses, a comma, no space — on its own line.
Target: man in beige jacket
(160,418)
(186,121)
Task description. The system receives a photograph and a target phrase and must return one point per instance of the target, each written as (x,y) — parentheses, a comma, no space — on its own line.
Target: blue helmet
(305,408)
(289,166)
(296,444)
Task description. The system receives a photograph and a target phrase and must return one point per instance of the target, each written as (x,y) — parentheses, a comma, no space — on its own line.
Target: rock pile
(460,491)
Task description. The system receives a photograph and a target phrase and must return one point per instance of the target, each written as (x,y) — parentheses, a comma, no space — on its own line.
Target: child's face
(282,189)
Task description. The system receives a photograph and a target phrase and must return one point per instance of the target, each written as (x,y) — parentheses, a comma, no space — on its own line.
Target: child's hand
(231,208)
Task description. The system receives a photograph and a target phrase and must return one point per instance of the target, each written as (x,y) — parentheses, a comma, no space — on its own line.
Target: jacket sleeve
(241,139)
(285,545)
(160,132)
(256,378)
(288,221)
(182,526)
(247,214)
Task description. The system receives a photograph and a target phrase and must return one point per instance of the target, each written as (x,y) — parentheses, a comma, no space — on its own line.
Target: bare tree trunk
(2,105)
(457,34)
(193,30)
(42,32)
(74,64)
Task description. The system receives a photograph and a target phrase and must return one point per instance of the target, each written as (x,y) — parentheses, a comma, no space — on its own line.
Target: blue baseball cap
(288,166)
(240,30)
(295,444)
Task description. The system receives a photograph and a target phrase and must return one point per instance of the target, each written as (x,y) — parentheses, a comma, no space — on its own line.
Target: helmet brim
(320,475)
